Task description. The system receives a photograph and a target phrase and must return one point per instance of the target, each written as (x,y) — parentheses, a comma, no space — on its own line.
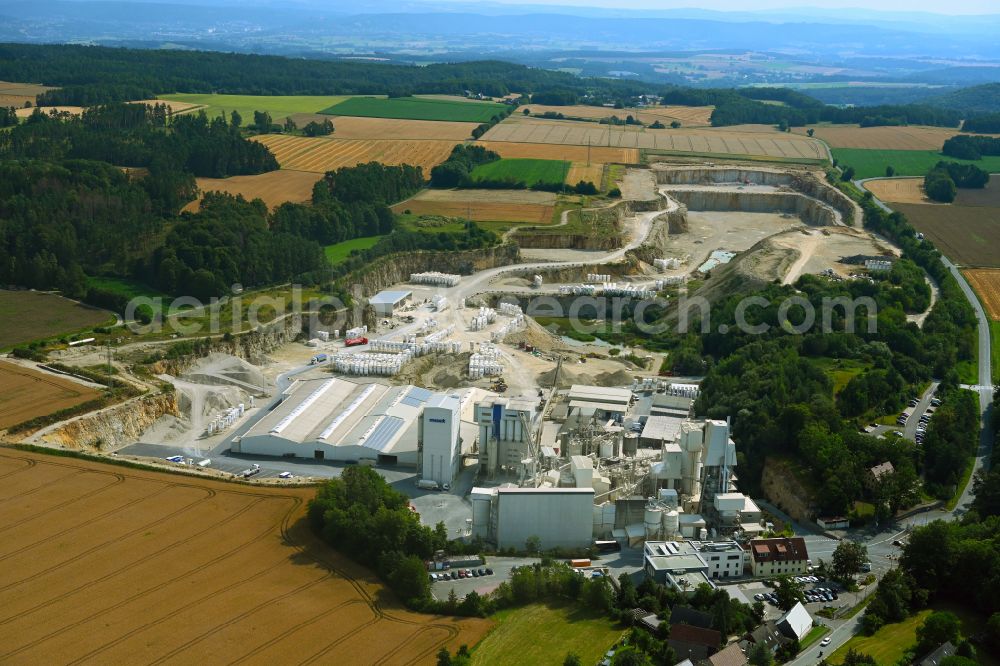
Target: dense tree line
(8,116)
(965,147)
(351,202)
(137,135)
(455,171)
(942,182)
(229,241)
(95,75)
(986,124)
(362,516)
(737,108)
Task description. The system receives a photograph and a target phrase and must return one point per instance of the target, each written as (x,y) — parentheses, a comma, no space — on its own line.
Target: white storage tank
(653,520)
(671,524)
(703,534)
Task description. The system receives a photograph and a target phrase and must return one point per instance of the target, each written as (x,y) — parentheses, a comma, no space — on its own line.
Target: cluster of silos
(371,365)
(435,278)
(356,332)
(225,420)
(667,263)
(515,324)
(628,290)
(683,390)
(482,319)
(578,289)
(598,277)
(487,362)
(661,519)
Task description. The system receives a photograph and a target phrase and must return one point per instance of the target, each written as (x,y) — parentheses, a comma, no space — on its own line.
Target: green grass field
(995,347)
(841,371)
(527,171)
(872,163)
(415,108)
(29,315)
(278,106)
(126,288)
(544,634)
(337,252)
(887,644)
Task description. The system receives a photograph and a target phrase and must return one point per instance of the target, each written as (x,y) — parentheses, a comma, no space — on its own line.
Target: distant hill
(977,100)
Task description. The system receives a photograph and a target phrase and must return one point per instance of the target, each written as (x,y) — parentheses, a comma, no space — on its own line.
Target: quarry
(495,424)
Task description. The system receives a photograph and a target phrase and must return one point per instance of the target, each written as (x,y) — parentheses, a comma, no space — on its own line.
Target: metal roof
(390,297)
(662,427)
(416,397)
(383,434)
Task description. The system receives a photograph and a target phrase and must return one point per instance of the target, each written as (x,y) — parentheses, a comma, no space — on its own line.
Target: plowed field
(322,155)
(686,115)
(986,282)
(109,565)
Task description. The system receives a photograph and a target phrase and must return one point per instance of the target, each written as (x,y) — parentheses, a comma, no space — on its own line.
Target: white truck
(427,484)
(253,469)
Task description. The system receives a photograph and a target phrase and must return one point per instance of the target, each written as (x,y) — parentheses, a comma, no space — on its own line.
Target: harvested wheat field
(111,565)
(899,190)
(274,187)
(48,110)
(728,141)
(483,205)
(358,127)
(686,115)
(26,393)
(322,155)
(986,282)
(18,94)
(578,171)
(913,137)
(554,151)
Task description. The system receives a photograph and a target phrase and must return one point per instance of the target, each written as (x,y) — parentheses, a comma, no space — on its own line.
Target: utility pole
(109,357)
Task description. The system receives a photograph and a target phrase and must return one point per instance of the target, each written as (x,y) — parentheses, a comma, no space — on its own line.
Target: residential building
(796,623)
(937,656)
(768,635)
(693,643)
(778,557)
(878,473)
(730,656)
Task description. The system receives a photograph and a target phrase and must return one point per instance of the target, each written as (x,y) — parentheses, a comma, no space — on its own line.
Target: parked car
(454,575)
(489,572)
(482,572)
(826,641)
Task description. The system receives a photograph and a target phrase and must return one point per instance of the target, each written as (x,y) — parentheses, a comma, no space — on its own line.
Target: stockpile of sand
(225,369)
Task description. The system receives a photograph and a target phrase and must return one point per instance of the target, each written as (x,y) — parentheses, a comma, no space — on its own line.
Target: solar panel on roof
(421,394)
(410,401)
(383,433)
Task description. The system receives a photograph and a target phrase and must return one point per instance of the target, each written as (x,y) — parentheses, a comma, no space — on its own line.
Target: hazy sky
(954,7)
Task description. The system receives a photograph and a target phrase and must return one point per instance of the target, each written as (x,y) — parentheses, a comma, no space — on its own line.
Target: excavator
(498,385)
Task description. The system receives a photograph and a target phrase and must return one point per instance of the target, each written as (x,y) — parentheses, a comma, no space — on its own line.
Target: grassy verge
(871,163)
(962,483)
(338,252)
(841,371)
(544,634)
(995,348)
(887,644)
(814,635)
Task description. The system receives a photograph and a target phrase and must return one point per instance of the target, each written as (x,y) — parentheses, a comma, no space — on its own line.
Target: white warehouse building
(559,517)
(438,439)
(340,420)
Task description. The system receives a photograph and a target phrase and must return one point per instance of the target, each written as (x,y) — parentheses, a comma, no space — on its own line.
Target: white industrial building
(684,565)
(559,517)
(439,440)
(504,433)
(605,401)
(385,302)
(340,420)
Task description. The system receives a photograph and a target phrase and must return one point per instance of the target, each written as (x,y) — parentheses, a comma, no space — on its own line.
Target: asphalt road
(882,553)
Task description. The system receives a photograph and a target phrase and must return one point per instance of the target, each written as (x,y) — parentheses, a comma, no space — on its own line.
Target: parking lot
(816,595)
(501,567)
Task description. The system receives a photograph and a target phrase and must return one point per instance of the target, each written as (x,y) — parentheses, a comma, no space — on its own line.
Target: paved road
(879,545)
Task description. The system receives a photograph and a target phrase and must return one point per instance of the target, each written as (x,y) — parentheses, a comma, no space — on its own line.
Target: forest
(965,147)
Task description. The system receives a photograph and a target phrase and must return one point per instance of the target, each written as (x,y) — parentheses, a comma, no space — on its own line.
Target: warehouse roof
(547,491)
(391,297)
(662,428)
(600,394)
